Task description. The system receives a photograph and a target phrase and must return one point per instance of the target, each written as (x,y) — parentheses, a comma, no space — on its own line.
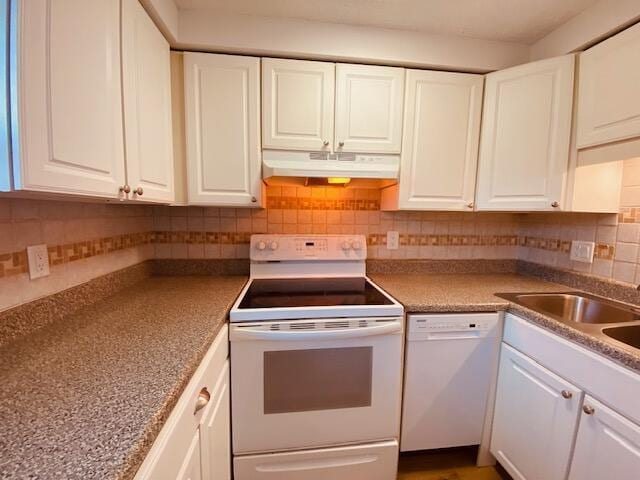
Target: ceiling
(521,21)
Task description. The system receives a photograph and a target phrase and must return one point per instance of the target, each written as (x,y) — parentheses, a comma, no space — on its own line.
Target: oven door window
(317,379)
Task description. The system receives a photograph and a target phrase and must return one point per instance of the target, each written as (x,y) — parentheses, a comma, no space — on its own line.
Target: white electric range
(316,364)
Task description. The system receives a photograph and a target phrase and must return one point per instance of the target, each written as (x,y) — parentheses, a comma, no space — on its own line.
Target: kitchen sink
(603,318)
(578,307)
(628,334)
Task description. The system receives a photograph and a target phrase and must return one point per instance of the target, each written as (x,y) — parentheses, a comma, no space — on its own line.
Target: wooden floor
(450,464)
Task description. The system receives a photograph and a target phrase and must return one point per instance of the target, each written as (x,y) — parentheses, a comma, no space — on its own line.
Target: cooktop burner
(311,292)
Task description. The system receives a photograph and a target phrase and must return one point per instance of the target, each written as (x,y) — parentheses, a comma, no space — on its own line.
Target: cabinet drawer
(172,445)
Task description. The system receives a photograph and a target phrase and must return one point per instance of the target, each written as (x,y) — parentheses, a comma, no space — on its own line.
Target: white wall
(265,36)
(599,21)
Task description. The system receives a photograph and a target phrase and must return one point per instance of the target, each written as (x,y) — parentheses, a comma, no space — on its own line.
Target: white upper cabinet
(440,141)
(297,104)
(147,106)
(222,121)
(535,418)
(526,126)
(369,102)
(609,90)
(70,102)
(607,446)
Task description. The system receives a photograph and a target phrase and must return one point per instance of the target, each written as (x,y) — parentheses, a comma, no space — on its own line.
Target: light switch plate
(38,257)
(393,240)
(582,251)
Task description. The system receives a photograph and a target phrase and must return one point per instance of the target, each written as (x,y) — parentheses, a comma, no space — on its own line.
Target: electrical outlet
(393,240)
(38,257)
(582,251)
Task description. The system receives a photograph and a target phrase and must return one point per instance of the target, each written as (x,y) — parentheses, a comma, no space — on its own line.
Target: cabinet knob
(555,204)
(341,144)
(138,191)
(325,143)
(566,394)
(203,398)
(125,189)
(254,199)
(588,409)
(470,205)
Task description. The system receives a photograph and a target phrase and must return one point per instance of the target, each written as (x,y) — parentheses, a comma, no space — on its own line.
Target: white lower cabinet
(547,428)
(215,432)
(191,466)
(195,442)
(607,446)
(534,420)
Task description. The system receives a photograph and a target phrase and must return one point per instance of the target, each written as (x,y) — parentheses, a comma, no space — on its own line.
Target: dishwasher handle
(454,335)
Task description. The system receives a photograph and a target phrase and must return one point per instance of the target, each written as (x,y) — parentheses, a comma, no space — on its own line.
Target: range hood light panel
(338,180)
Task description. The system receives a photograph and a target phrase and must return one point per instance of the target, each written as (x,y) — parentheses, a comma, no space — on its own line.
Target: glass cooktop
(311,292)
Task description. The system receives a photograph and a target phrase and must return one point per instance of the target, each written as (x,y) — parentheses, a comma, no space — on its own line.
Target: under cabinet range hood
(283,167)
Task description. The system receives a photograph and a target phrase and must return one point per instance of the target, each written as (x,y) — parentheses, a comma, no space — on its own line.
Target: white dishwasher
(450,362)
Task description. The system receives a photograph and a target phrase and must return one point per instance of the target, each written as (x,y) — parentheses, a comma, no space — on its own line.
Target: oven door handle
(248,333)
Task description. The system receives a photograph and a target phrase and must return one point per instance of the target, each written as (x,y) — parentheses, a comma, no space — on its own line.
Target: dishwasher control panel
(483,324)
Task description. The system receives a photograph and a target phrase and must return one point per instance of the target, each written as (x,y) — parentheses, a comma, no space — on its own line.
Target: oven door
(310,383)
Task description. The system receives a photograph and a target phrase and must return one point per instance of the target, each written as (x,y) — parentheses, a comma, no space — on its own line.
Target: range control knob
(356,245)
(273,245)
(261,245)
(346,245)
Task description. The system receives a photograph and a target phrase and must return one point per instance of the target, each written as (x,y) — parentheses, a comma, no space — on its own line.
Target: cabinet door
(607,446)
(70,101)
(147,106)
(215,432)
(369,102)
(609,90)
(535,418)
(191,465)
(440,143)
(524,146)
(297,104)
(222,94)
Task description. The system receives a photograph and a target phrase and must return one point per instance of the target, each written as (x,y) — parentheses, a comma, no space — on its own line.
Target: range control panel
(308,247)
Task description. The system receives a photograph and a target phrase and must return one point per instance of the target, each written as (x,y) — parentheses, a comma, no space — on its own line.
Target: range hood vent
(281,167)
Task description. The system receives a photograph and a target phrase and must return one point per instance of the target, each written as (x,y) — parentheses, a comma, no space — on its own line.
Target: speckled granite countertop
(86,396)
(431,292)
(454,292)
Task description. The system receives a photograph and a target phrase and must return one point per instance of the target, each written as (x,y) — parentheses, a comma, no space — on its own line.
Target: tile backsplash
(86,240)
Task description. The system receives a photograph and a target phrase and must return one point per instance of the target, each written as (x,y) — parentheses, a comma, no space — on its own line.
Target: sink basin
(600,317)
(578,308)
(628,334)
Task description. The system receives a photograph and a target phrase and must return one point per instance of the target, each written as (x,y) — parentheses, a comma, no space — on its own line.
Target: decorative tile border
(604,251)
(15,263)
(629,215)
(446,240)
(309,203)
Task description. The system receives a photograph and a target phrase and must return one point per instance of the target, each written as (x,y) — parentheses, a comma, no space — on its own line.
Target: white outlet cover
(582,251)
(393,240)
(38,257)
